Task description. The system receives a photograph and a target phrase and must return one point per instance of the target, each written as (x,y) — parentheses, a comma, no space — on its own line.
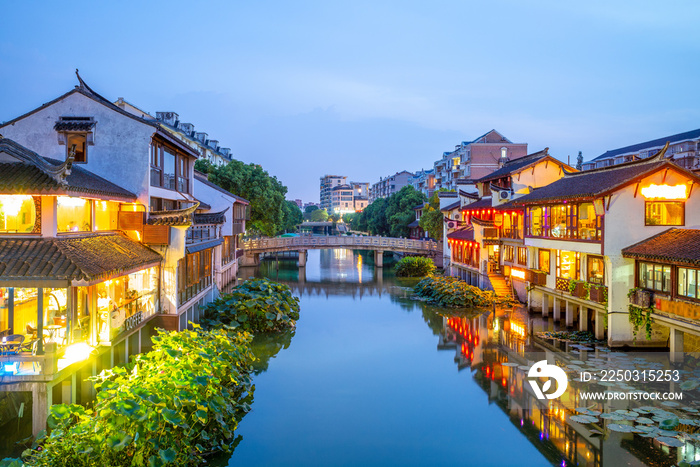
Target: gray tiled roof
(655,143)
(595,183)
(33,174)
(83,258)
(515,165)
(672,245)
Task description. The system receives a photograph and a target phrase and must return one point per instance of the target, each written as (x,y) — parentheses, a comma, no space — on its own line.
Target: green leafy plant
(257,305)
(452,292)
(641,317)
(414,266)
(171,406)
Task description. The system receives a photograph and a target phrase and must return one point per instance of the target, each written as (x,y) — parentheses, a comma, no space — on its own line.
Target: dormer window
(76,132)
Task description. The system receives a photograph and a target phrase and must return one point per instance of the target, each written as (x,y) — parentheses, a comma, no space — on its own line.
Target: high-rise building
(328,182)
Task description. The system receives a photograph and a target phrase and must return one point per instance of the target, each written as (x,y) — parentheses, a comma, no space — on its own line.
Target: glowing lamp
(520,274)
(70,202)
(10,368)
(11,204)
(76,353)
(665,191)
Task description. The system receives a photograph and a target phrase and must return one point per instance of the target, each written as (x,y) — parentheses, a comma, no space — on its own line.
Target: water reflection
(358,353)
(498,349)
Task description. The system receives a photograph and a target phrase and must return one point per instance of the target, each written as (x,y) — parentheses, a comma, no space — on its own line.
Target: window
(73,214)
(156,164)
(595,270)
(508,253)
(568,264)
(558,221)
(664,213)
(80,142)
(536,222)
(522,256)
(17,214)
(106,215)
(182,174)
(543,260)
(168,169)
(587,228)
(654,277)
(688,283)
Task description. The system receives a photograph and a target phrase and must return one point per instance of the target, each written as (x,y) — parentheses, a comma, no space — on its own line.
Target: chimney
(201,137)
(187,128)
(169,118)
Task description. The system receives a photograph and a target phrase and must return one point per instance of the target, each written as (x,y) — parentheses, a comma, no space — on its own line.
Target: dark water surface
(364,381)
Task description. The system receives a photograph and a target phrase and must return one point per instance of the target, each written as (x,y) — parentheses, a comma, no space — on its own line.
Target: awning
(677,246)
(204,245)
(60,262)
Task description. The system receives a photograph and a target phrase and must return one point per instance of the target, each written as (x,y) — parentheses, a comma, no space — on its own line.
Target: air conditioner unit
(451,224)
(503,195)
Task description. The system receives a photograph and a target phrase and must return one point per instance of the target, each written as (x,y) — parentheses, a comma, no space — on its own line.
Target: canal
(372,376)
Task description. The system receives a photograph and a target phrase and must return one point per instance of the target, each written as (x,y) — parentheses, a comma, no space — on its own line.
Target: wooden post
(40,320)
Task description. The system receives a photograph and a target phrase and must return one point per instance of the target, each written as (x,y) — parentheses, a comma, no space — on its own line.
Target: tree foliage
(453,292)
(432,219)
(579,161)
(414,266)
(292,216)
(319,215)
(310,208)
(250,181)
(390,216)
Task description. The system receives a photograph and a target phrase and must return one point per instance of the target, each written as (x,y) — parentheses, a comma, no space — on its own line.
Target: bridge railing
(373,243)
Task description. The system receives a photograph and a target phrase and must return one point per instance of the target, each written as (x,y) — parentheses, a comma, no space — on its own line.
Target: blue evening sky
(369,88)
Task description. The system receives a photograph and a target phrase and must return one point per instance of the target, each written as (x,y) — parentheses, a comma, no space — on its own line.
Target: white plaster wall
(218,202)
(122,144)
(624,226)
(544,174)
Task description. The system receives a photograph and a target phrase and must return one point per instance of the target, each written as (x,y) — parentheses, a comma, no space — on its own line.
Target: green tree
(203,165)
(432,218)
(265,193)
(319,215)
(579,160)
(399,212)
(292,216)
(310,208)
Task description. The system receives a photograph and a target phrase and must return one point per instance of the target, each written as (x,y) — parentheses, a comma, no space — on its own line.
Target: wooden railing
(369,243)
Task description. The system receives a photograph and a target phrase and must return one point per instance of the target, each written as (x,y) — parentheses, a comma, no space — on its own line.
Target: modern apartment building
(683,149)
(472,160)
(387,186)
(424,181)
(328,182)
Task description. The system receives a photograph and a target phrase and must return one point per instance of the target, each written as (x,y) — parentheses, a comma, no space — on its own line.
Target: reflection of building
(103,237)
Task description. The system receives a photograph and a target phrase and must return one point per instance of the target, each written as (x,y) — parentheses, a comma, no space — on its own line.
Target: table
(53,331)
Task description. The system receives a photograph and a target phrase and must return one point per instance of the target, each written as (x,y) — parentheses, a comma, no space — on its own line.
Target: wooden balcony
(535,277)
(599,293)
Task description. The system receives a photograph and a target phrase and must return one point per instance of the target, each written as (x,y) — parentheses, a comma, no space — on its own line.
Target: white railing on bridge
(370,243)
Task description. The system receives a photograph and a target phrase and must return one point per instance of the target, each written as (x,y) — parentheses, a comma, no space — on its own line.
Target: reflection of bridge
(253,248)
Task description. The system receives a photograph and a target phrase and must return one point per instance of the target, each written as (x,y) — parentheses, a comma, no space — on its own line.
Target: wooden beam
(665,173)
(608,206)
(692,183)
(636,188)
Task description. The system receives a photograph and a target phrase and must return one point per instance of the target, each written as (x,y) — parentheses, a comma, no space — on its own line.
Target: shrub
(452,292)
(414,266)
(170,406)
(257,305)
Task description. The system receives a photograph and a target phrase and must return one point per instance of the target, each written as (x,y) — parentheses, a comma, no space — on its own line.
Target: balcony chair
(12,344)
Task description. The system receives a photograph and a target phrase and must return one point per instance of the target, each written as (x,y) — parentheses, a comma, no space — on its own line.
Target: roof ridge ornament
(661,155)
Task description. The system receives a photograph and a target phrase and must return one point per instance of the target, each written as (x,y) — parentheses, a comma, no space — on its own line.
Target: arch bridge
(253,248)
